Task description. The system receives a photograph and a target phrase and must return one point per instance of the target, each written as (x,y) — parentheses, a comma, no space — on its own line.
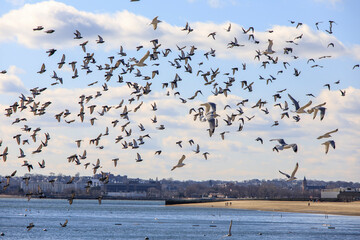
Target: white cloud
(64,19)
(10,83)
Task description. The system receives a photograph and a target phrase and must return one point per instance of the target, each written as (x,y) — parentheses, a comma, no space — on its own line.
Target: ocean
(117,219)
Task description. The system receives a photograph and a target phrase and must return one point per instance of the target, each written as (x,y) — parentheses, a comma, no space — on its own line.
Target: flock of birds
(118,69)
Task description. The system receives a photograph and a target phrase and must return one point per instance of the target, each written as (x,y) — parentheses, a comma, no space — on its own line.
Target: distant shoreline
(329,208)
(332,208)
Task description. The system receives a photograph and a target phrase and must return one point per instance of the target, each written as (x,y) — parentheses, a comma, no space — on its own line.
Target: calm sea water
(139,219)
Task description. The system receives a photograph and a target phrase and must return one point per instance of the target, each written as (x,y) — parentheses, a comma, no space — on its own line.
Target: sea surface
(115,219)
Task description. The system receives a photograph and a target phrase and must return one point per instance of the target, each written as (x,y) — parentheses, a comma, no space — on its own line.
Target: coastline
(332,208)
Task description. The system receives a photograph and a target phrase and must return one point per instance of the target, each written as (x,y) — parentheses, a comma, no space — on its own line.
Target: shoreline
(332,208)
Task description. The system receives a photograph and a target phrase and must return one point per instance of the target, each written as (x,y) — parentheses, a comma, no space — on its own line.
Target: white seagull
(269,49)
(283,145)
(180,163)
(327,144)
(292,177)
(210,115)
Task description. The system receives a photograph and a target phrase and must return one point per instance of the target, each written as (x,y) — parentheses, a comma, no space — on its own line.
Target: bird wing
(142,60)
(287,175)
(207,107)
(296,103)
(294,146)
(213,106)
(332,143)
(295,169)
(269,49)
(301,110)
(280,140)
(181,159)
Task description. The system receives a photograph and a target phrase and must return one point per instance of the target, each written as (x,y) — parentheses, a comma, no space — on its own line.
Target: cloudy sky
(323,53)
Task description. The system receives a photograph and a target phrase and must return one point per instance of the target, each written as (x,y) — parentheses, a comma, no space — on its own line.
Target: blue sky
(125,23)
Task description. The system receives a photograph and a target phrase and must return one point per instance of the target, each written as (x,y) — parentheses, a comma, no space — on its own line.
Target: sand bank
(337,208)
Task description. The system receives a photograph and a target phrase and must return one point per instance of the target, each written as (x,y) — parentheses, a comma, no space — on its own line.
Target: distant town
(109,186)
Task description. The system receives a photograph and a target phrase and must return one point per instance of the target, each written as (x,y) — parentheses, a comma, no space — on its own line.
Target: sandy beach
(337,208)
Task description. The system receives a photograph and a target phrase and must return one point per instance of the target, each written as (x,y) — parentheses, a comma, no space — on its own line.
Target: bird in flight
(327,144)
(327,135)
(180,163)
(292,176)
(283,145)
(142,60)
(155,22)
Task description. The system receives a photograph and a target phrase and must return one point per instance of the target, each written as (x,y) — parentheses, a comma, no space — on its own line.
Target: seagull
(299,109)
(64,224)
(77,35)
(138,159)
(197,149)
(210,115)
(292,177)
(142,60)
(38,28)
(4,154)
(115,160)
(179,143)
(327,143)
(83,46)
(259,139)
(154,22)
(269,49)
(327,135)
(228,28)
(223,135)
(42,164)
(316,110)
(42,70)
(96,166)
(100,40)
(22,154)
(30,226)
(283,145)
(180,163)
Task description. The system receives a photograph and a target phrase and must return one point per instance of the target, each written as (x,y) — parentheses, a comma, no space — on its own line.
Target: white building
(330,193)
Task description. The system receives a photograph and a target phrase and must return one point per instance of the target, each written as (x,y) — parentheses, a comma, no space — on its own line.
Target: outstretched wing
(296,168)
(296,103)
(287,175)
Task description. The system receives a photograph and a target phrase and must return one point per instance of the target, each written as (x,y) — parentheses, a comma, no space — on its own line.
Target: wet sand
(337,208)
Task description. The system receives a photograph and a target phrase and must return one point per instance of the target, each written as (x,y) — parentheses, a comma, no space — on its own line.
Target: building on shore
(133,189)
(306,187)
(341,194)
